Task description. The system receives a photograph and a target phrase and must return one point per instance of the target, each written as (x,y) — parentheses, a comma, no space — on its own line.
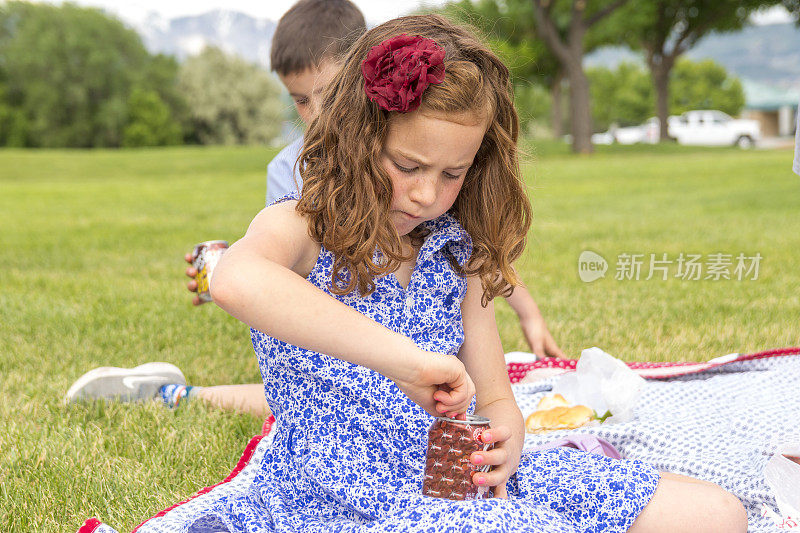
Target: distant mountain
(234,32)
(769,54)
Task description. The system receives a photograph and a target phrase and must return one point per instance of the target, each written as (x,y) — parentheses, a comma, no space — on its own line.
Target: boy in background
(307,50)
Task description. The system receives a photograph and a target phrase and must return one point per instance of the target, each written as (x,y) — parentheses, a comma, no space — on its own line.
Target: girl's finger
(455,414)
(493,478)
(553,349)
(496,434)
(495,457)
(442,409)
(442,396)
(452,398)
(453,411)
(459,413)
(459,395)
(444,400)
(459,381)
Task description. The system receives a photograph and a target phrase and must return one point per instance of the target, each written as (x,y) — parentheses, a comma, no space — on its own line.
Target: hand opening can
(448,470)
(205,257)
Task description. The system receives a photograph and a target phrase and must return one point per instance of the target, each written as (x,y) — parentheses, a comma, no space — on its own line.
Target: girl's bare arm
(482,354)
(260,281)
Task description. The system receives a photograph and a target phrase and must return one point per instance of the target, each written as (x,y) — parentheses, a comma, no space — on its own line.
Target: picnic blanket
(719,420)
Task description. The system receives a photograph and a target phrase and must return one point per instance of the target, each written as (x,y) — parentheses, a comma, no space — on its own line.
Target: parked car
(643,133)
(714,128)
(704,127)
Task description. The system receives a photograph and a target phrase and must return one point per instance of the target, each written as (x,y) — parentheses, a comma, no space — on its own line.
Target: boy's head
(308,45)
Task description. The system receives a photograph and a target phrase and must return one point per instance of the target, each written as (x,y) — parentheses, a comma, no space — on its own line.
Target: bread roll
(558,418)
(553,400)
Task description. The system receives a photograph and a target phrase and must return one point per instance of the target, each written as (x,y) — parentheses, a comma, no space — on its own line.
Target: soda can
(205,257)
(448,470)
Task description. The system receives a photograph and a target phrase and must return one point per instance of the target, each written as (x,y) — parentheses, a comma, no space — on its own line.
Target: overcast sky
(375,11)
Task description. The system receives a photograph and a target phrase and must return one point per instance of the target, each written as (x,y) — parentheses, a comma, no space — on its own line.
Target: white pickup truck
(708,128)
(713,128)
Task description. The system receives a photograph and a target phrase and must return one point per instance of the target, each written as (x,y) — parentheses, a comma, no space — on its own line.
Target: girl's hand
(439,384)
(538,336)
(192,284)
(503,460)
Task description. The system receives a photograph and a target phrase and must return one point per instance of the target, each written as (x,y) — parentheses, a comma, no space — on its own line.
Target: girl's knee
(692,506)
(727,508)
(724,511)
(730,511)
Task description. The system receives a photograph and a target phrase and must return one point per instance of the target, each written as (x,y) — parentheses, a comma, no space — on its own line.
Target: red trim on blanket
(696,367)
(771,353)
(90,525)
(248,453)
(517,371)
(268,424)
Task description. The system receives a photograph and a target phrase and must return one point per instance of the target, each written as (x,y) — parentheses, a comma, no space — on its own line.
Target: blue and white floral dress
(349,446)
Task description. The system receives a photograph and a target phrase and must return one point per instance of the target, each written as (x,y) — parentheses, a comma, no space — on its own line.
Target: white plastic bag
(783,478)
(604,384)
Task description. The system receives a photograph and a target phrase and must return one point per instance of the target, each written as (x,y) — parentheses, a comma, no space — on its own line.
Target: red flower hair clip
(397,71)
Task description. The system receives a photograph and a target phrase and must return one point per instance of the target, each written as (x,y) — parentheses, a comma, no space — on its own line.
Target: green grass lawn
(92,242)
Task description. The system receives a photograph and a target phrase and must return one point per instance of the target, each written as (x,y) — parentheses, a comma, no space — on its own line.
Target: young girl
(370,303)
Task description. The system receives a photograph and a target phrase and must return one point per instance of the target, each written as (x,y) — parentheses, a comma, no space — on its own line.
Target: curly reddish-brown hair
(347,193)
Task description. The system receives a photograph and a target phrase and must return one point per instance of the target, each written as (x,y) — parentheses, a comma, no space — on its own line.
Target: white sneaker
(124,384)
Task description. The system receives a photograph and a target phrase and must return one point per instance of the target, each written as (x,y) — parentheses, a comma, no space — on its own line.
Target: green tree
(6,112)
(666,29)
(793,7)
(161,77)
(69,72)
(623,96)
(511,32)
(704,85)
(534,103)
(230,101)
(149,122)
(563,25)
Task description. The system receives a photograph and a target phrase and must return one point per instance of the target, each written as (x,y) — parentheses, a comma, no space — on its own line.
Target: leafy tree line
(545,41)
(76,77)
(625,96)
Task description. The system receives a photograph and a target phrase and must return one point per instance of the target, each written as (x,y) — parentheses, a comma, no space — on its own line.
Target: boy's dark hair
(314,30)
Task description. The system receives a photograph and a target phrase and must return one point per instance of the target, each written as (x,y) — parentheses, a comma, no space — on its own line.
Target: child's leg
(682,503)
(165,381)
(240,398)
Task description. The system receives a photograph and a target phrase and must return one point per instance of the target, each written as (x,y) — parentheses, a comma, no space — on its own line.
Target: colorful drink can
(205,257)
(448,470)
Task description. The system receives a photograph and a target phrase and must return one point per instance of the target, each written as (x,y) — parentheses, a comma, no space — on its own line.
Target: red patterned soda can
(448,470)
(205,257)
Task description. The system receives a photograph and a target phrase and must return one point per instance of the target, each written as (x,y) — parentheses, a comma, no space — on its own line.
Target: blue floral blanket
(719,422)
